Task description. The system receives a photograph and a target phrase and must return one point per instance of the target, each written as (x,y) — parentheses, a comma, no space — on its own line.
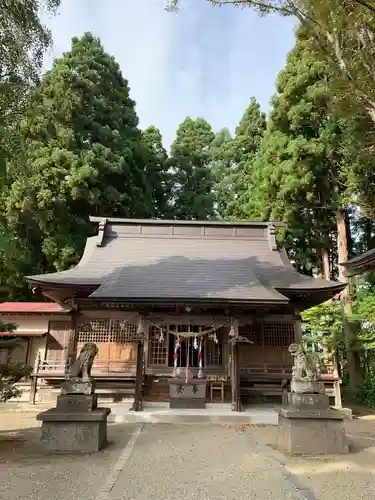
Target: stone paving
(177,462)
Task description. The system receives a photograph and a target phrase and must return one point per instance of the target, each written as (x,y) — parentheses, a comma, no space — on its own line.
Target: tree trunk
(326,264)
(323,264)
(328,357)
(353,361)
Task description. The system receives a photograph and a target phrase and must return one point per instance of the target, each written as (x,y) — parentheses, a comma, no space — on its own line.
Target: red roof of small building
(32,308)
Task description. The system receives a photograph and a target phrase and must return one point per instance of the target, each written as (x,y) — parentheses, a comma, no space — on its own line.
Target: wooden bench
(262,381)
(274,380)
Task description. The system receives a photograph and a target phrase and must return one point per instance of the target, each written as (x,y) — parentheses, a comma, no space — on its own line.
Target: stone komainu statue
(81,368)
(305,367)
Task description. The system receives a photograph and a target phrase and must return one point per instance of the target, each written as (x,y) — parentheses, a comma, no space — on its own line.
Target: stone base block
(78,386)
(302,386)
(85,432)
(76,402)
(188,404)
(312,432)
(309,401)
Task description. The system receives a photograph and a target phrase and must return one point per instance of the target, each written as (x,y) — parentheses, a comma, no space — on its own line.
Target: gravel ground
(331,477)
(182,462)
(28,473)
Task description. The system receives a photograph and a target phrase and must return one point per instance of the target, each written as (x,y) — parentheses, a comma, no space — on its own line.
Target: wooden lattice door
(58,341)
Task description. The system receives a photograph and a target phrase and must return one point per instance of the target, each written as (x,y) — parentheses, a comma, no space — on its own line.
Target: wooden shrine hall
(157,295)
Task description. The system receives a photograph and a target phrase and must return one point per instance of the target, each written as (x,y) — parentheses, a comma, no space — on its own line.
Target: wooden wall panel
(59,337)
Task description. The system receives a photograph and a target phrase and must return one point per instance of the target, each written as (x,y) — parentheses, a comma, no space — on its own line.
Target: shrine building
(154,295)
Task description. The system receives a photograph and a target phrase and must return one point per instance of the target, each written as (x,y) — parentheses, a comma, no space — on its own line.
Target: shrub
(366,393)
(10,374)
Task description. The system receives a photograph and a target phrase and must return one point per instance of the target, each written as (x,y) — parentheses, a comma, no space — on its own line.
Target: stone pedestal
(187,396)
(302,386)
(308,401)
(76,424)
(76,385)
(309,426)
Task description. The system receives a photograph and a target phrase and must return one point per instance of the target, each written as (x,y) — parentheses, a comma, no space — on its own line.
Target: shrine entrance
(187,354)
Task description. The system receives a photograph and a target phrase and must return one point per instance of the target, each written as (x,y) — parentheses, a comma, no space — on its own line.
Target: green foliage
(238,155)
(366,393)
(223,171)
(364,317)
(191,178)
(294,177)
(11,373)
(83,153)
(156,171)
(323,325)
(23,40)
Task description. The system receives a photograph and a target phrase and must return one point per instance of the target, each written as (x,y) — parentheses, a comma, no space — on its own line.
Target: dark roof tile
(173,259)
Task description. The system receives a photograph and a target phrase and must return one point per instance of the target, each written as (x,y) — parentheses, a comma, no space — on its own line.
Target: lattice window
(253,333)
(97,330)
(117,331)
(123,332)
(157,350)
(278,334)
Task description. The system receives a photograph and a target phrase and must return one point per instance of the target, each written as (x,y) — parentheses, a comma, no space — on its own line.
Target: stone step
(163,415)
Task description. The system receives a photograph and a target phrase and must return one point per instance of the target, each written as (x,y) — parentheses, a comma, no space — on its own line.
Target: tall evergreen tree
(298,175)
(192,180)
(293,177)
(246,144)
(157,175)
(233,159)
(83,152)
(23,40)
(223,171)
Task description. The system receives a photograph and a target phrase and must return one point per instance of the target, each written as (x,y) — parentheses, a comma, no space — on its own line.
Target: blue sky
(203,61)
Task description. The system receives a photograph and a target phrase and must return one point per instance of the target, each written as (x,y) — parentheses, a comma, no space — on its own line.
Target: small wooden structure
(209,282)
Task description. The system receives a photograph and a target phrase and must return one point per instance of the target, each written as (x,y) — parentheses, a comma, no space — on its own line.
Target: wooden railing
(101,368)
(266,370)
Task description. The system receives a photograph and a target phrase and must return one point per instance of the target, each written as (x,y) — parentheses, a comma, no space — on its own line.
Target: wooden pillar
(34,380)
(33,388)
(297,328)
(137,404)
(72,349)
(235,368)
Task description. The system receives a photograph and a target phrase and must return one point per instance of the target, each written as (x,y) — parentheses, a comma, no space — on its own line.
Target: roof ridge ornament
(272,236)
(101,232)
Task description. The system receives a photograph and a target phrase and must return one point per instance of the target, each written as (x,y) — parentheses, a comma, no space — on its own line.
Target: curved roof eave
(360,264)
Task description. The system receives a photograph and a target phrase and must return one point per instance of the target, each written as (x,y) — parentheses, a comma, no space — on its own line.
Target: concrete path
(185,462)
